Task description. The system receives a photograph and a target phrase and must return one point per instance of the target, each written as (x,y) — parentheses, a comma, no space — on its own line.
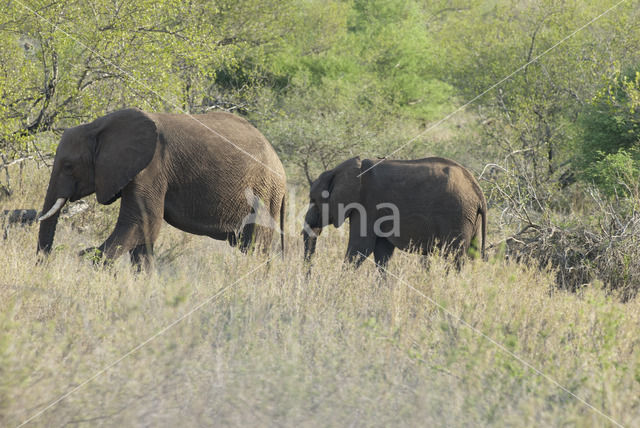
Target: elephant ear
(344,189)
(125,144)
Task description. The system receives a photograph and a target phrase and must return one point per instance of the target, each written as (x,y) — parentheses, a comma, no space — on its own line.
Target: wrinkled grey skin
(438,200)
(171,167)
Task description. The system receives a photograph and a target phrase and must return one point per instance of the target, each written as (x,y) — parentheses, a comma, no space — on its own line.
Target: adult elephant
(405,204)
(207,174)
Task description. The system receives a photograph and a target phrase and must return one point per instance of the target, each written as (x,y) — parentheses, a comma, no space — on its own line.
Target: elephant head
(329,199)
(102,157)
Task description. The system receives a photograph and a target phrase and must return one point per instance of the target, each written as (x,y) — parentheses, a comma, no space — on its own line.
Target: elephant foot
(142,258)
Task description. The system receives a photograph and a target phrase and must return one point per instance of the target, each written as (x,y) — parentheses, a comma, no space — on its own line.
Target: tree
(609,137)
(548,72)
(67,63)
(358,80)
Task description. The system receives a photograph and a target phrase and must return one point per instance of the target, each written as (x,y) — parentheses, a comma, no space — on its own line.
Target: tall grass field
(213,337)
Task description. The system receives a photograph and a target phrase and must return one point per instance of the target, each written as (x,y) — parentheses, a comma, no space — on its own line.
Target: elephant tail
(483,213)
(282,210)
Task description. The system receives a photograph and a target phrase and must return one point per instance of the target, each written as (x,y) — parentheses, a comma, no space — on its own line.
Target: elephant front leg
(123,239)
(362,241)
(359,249)
(383,252)
(356,255)
(137,228)
(142,257)
(133,236)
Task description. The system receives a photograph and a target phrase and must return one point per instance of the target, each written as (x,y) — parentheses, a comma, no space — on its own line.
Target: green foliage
(392,43)
(360,79)
(336,68)
(609,142)
(388,64)
(63,64)
(314,132)
(617,173)
(553,72)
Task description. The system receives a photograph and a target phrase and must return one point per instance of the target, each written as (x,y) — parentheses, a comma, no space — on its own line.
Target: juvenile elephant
(205,174)
(405,204)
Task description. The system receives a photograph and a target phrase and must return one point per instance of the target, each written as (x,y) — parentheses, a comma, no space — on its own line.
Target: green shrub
(617,173)
(609,141)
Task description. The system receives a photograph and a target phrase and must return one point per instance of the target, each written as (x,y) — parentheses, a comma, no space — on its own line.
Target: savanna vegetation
(541,100)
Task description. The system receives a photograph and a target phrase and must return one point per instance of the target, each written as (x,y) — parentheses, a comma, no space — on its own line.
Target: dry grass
(273,347)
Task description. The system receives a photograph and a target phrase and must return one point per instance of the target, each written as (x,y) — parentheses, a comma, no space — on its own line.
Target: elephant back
(225,160)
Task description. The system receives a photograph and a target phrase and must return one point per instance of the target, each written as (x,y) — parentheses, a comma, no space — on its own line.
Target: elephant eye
(67,167)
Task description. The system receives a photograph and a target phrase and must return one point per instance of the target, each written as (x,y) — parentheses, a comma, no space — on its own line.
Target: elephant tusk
(54,209)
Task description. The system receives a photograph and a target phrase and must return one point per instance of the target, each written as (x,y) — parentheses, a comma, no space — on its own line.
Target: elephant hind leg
(255,237)
(232,239)
(247,237)
(457,250)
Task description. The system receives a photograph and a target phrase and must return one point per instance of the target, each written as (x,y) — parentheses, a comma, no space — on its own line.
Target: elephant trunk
(311,231)
(49,220)
(310,239)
